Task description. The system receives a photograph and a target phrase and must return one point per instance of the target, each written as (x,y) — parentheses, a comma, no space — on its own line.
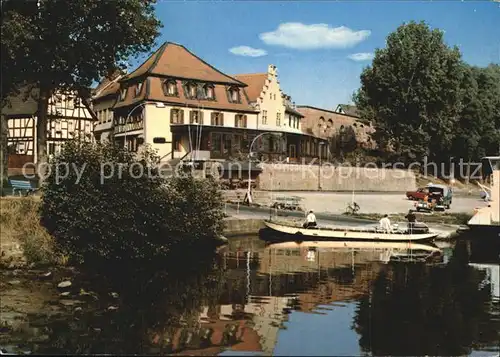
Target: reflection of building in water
(333,274)
(492,277)
(251,327)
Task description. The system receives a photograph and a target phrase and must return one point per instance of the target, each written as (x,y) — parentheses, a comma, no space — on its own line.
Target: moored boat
(294,232)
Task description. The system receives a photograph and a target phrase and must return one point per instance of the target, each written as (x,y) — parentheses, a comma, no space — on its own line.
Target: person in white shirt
(310,220)
(385,224)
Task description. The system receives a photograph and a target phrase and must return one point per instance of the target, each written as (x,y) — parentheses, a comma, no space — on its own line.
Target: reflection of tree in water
(423,310)
(173,303)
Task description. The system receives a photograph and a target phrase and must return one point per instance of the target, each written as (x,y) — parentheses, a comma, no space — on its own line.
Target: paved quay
(392,203)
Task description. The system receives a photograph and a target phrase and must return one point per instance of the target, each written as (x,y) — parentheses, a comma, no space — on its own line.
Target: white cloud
(364,56)
(247,51)
(307,37)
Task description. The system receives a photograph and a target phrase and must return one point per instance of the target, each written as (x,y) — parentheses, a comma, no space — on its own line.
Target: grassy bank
(23,239)
(443,218)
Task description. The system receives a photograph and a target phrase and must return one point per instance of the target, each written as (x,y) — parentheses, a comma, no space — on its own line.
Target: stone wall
(281,177)
(325,124)
(235,226)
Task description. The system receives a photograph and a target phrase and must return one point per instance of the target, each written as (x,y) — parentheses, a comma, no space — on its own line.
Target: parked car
(439,199)
(418,194)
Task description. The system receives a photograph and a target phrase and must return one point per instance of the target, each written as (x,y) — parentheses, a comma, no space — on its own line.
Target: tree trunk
(41,134)
(4,154)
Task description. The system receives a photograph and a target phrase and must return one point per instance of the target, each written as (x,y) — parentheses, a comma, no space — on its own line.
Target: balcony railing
(122,128)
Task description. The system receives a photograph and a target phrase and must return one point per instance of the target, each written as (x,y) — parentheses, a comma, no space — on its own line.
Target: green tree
(478,130)
(68,46)
(117,219)
(412,92)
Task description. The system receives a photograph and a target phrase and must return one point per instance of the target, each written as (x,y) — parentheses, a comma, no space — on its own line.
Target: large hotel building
(187,109)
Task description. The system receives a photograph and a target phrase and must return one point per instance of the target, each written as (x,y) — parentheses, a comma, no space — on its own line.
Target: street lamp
(250,161)
(158,105)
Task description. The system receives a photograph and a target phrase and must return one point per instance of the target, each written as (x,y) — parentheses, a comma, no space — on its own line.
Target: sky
(319,47)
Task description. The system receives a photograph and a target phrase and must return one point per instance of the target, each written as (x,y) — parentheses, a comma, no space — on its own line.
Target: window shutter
(181,116)
(244,121)
(212,119)
(172,111)
(200,116)
(221,119)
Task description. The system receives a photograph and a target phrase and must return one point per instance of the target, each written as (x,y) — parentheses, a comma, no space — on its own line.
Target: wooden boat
(296,232)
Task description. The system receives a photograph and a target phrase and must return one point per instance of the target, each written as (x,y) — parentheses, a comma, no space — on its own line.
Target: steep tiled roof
(152,90)
(255,83)
(173,60)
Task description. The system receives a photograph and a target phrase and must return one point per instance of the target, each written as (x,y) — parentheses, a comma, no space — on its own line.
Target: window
(321,122)
(271,96)
(52,148)
(169,87)
(240,121)
(217,119)
(215,141)
(234,95)
(123,94)
(196,117)
(330,123)
(278,119)
(264,117)
(138,89)
(176,116)
(209,92)
(191,90)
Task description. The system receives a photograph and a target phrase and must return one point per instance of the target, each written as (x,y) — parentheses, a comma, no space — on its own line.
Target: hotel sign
(128,127)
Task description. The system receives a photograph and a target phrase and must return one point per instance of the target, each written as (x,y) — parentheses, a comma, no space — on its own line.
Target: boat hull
(291,233)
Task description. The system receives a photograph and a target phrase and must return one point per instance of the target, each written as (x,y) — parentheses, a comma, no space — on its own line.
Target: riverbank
(23,241)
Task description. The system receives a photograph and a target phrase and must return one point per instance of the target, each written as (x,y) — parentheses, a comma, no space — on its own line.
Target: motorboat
(486,221)
(292,231)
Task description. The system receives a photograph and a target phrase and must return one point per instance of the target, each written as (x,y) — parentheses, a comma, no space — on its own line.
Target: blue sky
(310,41)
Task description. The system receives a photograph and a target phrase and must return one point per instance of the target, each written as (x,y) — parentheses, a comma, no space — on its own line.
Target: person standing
(412,218)
(385,224)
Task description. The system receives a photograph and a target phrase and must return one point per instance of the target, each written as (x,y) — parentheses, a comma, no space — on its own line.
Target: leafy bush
(134,225)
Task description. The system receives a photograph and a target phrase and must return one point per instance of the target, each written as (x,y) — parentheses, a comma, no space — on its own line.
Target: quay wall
(282,177)
(235,226)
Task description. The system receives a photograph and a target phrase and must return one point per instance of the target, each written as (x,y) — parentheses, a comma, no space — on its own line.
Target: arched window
(321,122)
(330,123)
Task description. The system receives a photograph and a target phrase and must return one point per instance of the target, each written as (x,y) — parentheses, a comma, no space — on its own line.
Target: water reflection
(340,298)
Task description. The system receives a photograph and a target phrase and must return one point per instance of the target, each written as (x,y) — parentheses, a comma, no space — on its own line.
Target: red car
(418,194)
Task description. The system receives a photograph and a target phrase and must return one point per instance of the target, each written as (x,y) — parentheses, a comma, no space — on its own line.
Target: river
(278,300)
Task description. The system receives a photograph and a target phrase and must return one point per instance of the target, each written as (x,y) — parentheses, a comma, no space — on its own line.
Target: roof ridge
(251,74)
(198,58)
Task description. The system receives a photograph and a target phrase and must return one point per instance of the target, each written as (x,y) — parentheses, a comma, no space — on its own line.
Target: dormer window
(123,94)
(190,91)
(169,87)
(208,91)
(138,89)
(234,95)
